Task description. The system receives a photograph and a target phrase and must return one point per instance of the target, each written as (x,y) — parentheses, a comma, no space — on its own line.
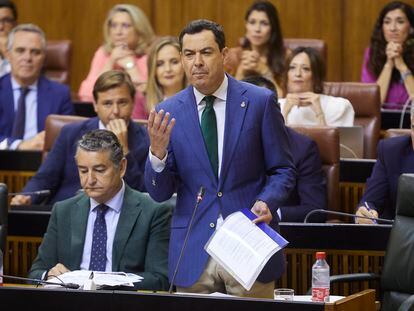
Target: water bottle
(320,278)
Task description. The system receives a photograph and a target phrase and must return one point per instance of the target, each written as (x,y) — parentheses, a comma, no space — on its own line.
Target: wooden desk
(60,299)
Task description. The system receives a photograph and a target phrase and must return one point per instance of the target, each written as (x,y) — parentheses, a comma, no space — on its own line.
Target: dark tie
(209,129)
(99,237)
(20,116)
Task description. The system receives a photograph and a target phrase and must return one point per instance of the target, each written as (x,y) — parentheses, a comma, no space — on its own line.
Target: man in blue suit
(395,157)
(26,97)
(113,93)
(228,137)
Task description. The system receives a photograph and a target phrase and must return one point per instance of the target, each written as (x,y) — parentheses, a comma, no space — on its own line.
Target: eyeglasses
(7,20)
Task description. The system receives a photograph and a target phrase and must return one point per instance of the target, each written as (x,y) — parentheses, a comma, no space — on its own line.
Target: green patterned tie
(209,129)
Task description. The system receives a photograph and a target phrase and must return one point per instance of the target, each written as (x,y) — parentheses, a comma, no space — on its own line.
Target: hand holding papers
(244,248)
(101,279)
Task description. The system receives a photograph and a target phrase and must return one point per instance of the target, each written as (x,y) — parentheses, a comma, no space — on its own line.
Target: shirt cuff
(15,144)
(157,164)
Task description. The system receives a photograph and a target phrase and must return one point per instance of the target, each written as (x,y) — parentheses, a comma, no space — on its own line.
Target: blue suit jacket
(52,98)
(256,165)
(310,190)
(59,172)
(395,157)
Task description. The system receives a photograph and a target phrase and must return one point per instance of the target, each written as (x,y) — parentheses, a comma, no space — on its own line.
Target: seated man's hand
(21,200)
(362,211)
(120,128)
(35,143)
(57,270)
(261,210)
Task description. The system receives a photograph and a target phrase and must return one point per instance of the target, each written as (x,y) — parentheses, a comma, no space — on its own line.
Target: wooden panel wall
(345,25)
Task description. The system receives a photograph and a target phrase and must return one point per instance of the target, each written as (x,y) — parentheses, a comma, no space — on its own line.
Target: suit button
(212,225)
(219,194)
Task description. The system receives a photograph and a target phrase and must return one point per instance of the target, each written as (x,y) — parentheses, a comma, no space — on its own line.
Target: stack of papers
(243,248)
(101,279)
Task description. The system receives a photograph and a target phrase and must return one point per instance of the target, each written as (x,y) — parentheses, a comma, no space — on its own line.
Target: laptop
(351,142)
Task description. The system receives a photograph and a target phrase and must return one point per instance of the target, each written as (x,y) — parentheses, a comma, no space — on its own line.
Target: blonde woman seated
(304,104)
(127,34)
(165,72)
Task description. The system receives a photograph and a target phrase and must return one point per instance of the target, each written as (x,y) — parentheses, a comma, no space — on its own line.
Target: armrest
(353,277)
(407,305)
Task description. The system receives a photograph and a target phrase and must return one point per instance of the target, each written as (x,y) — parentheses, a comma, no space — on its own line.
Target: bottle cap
(320,255)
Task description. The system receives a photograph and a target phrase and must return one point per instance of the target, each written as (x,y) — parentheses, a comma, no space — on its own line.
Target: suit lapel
(79,220)
(8,100)
(236,107)
(42,98)
(193,131)
(130,211)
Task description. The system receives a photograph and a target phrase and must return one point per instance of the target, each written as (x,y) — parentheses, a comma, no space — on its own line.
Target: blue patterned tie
(99,237)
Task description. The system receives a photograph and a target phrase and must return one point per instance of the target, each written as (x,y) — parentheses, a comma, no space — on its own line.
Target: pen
(369,210)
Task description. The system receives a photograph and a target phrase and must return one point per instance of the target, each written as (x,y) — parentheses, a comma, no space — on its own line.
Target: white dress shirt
(111,219)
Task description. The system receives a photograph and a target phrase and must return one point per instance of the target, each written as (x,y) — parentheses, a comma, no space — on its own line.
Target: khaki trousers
(216,279)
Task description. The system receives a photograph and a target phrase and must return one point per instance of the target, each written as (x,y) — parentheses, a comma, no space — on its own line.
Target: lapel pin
(243,104)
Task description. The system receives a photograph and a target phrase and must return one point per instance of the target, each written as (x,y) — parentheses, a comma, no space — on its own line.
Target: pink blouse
(396,95)
(98,62)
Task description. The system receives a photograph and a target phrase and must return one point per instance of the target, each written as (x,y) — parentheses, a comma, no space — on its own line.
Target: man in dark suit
(108,227)
(27,97)
(240,155)
(395,157)
(113,93)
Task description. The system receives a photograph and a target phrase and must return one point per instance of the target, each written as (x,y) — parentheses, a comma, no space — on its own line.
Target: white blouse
(338,111)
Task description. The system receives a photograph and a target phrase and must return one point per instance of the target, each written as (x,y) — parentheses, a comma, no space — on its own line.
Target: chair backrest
(57,62)
(398,270)
(365,99)
(54,124)
(396,132)
(327,139)
(3,217)
(317,44)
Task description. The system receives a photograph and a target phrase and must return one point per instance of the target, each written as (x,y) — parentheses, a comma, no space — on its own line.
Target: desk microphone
(322,211)
(200,196)
(39,192)
(39,281)
(406,104)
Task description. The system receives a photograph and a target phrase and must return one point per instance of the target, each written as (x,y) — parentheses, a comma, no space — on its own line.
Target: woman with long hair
(127,35)
(262,51)
(389,61)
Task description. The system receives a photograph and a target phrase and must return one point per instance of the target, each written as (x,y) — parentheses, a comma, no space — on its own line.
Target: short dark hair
(317,66)
(112,79)
(100,141)
(198,26)
(10,5)
(261,81)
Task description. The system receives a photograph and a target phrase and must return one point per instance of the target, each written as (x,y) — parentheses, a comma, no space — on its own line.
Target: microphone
(322,211)
(406,104)
(39,281)
(39,192)
(200,196)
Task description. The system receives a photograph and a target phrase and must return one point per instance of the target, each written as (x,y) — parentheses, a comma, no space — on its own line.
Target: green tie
(209,129)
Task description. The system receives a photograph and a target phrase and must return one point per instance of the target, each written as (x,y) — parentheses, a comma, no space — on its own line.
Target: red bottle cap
(320,255)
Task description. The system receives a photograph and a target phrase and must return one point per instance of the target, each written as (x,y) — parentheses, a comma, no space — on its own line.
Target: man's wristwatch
(129,65)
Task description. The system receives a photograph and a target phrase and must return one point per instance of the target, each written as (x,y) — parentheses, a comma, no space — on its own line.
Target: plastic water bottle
(320,278)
